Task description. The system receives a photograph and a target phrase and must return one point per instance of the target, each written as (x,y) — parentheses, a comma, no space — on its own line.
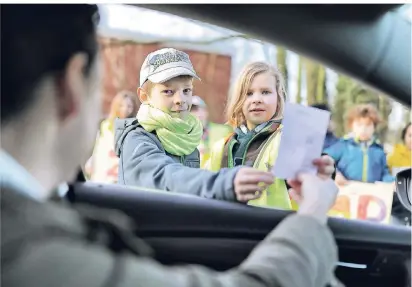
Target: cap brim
(171,73)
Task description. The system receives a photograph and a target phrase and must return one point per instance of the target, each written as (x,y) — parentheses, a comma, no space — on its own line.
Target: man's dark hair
(405,129)
(38,40)
(321,107)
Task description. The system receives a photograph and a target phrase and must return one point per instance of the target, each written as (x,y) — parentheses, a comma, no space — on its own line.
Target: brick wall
(122,66)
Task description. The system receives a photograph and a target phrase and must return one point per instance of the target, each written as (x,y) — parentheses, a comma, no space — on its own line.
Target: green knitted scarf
(178,137)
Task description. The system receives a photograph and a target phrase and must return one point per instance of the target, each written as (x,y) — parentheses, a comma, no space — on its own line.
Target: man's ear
(142,95)
(71,87)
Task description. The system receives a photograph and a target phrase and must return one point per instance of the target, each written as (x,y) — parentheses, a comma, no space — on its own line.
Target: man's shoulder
(22,215)
(26,222)
(26,219)
(42,239)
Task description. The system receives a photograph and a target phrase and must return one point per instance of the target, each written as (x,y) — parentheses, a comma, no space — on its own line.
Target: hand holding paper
(303,134)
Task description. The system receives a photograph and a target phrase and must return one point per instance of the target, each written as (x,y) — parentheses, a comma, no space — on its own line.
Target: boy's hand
(249,183)
(325,165)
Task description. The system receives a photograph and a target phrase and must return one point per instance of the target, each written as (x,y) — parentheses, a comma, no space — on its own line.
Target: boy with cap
(158,149)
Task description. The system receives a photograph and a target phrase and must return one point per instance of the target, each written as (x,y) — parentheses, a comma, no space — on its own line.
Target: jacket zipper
(365,164)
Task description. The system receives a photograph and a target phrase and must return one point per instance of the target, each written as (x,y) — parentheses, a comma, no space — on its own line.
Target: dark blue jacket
(360,162)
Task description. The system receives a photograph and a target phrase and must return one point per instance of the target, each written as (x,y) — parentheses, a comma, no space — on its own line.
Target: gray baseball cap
(165,64)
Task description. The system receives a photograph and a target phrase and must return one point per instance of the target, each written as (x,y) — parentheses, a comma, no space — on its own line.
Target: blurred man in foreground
(49,118)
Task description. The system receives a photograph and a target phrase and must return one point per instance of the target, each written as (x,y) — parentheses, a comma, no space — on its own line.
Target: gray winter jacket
(145,163)
(47,245)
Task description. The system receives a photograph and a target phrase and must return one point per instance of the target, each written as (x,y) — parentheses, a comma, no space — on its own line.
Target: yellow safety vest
(276,195)
(216,132)
(105,162)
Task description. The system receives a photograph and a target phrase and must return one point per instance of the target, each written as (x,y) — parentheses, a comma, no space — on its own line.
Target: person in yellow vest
(103,164)
(400,158)
(255,111)
(212,132)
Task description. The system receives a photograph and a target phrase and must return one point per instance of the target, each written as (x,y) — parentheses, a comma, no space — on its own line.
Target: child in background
(212,132)
(359,156)
(255,111)
(400,158)
(103,164)
(159,149)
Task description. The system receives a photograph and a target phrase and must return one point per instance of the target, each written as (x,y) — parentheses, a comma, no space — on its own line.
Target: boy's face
(363,128)
(173,97)
(261,101)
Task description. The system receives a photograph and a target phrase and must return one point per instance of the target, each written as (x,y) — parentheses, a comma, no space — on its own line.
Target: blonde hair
(363,111)
(117,102)
(242,84)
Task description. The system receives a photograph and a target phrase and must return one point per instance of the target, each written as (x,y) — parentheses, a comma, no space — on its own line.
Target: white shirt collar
(16,177)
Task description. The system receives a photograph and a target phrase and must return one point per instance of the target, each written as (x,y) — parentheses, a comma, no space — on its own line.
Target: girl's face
(126,108)
(408,138)
(261,101)
(363,128)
